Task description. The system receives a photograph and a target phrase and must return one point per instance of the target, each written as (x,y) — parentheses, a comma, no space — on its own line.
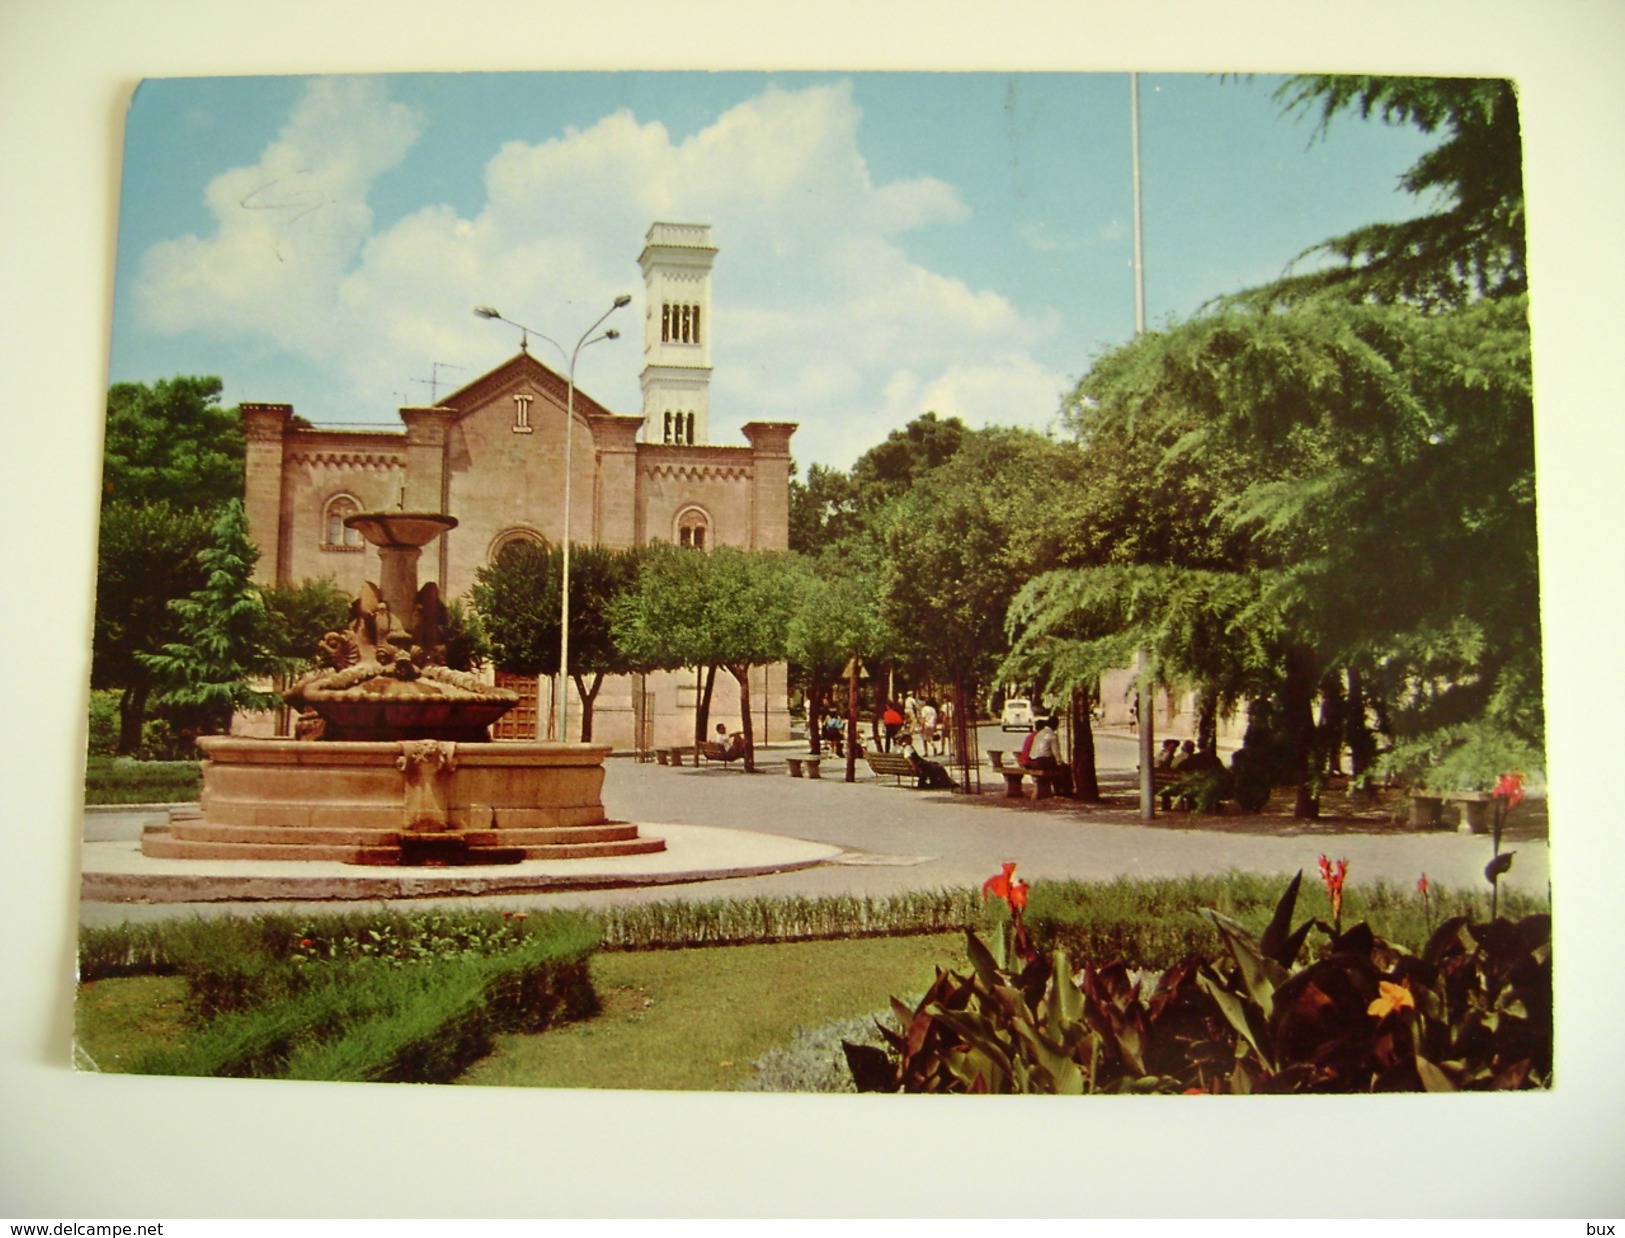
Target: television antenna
(433,380)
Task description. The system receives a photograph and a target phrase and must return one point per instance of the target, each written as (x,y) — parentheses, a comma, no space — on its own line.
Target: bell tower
(676,378)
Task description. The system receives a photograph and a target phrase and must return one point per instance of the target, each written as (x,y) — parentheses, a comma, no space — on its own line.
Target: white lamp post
(485,311)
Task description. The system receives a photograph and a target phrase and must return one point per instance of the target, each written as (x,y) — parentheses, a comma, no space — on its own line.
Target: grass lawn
(696,1020)
(119,1019)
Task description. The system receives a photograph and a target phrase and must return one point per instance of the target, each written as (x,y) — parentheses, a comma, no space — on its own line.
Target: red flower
(1510,788)
(1018,895)
(1333,875)
(1422,884)
(998,885)
(306,942)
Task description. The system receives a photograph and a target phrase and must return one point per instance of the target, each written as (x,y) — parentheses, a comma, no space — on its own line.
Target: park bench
(891,765)
(673,756)
(1046,783)
(719,754)
(796,766)
(1427,808)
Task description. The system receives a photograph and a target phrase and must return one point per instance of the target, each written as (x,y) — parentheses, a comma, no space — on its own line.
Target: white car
(1017,716)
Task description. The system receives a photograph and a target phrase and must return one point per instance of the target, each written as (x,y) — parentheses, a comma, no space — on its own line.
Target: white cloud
(820,316)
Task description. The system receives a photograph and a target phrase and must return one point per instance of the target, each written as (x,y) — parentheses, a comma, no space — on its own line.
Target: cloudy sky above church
(888,243)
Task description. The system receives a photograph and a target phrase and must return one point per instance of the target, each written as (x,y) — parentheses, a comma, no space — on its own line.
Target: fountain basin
(410,802)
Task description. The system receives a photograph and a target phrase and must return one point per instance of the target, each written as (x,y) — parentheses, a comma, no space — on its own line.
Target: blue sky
(889,242)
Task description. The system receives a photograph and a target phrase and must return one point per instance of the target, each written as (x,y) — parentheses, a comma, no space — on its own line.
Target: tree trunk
(587,698)
(1085,782)
(1298,707)
(1329,732)
(1356,729)
(817,696)
(742,674)
(132,712)
(702,711)
(1207,722)
(852,721)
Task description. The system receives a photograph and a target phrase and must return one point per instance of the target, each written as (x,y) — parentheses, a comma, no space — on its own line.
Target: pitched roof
(521,365)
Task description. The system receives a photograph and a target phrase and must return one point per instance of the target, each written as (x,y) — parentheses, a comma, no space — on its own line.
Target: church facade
(495,454)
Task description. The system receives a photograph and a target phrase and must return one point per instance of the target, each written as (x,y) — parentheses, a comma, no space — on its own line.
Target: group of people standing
(919,721)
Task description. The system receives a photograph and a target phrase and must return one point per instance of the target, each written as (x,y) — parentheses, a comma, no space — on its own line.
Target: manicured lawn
(122,1018)
(696,1019)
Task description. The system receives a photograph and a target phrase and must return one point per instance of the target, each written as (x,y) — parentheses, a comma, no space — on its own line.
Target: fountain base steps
(193,839)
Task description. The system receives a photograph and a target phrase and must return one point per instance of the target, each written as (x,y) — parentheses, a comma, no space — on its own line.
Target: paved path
(883,839)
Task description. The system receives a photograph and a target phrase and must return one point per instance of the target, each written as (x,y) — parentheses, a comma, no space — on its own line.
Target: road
(899,839)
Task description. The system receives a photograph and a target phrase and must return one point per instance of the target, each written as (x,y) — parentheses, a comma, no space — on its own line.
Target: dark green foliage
(302,614)
(147,557)
(227,634)
(1473,244)
(1472,1011)
(123,780)
(171,443)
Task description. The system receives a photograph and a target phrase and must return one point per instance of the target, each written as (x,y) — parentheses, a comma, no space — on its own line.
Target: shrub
(123,780)
(392,996)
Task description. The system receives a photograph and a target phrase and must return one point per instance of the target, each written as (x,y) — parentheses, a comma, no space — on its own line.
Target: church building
(493,455)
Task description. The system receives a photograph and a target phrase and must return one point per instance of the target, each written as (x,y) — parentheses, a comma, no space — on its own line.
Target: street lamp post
(587,337)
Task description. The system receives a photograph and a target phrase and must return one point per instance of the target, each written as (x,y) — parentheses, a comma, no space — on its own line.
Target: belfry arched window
(335,536)
(693,528)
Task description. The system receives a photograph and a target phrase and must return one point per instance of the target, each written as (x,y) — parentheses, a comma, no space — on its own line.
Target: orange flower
(1510,788)
(998,885)
(1393,997)
(1422,885)
(1017,897)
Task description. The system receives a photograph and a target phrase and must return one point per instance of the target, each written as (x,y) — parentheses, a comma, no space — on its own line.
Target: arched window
(693,528)
(667,439)
(509,538)
(334,534)
(688,431)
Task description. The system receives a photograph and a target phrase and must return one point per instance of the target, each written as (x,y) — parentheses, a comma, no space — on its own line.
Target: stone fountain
(393,761)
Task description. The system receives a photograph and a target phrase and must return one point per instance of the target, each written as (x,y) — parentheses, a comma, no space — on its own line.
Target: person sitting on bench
(927,773)
(1041,758)
(733,746)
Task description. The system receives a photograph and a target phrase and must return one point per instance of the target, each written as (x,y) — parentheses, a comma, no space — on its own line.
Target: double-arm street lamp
(587,337)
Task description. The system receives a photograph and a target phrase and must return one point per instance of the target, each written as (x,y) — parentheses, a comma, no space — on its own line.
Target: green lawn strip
(119,1020)
(1156,922)
(696,1019)
(123,780)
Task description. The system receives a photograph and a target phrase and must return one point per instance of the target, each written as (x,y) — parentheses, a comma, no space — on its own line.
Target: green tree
(172,458)
(146,558)
(518,597)
(729,608)
(228,637)
(302,614)
(1472,244)
(172,443)
(835,618)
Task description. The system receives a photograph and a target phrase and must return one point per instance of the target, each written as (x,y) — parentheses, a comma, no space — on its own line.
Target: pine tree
(227,635)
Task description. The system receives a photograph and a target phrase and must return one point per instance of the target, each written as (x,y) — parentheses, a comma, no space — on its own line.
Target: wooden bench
(890,765)
(718,754)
